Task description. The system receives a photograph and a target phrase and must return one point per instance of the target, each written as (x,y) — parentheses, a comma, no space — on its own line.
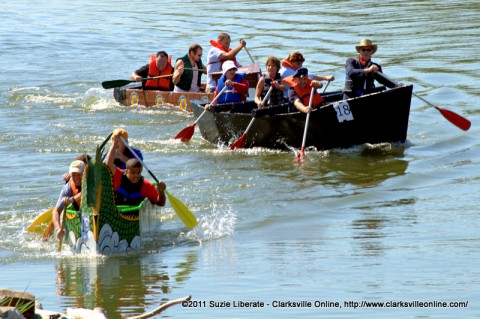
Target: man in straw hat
(361,72)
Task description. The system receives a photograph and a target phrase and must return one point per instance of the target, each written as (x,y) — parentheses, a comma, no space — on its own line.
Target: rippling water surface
(373,223)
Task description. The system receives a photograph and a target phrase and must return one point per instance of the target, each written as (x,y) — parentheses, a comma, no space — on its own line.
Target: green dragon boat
(100,226)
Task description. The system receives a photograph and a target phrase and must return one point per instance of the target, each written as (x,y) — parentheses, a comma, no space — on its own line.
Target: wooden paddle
(182,211)
(196,69)
(454,118)
(253,62)
(301,154)
(186,134)
(117,83)
(240,142)
(62,226)
(248,52)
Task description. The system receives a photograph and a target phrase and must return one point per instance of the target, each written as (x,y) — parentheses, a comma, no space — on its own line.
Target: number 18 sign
(343,111)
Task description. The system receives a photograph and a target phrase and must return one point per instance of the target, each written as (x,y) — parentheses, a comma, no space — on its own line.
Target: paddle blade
(455,119)
(182,211)
(301,155)
(115,83)
(186,134)
(38,225)
(240,143)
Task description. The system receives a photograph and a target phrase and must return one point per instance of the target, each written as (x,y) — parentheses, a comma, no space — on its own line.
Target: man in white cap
(70,194)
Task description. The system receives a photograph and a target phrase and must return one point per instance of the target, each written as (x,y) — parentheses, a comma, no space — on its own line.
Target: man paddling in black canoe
(361,73)
(160,68)
(70,194)
(300,91)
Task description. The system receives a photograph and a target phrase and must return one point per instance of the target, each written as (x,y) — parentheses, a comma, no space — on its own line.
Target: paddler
(188,70)
(361,72)
(70,194)
(267,80)
(235,83)
(219,53)
(160,65)
(300,91)
(131,188)
(292,63)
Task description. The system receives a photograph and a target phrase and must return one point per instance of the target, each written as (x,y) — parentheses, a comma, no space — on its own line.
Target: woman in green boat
(131,187)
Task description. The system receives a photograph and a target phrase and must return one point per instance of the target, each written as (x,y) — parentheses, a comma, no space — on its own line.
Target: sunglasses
(366,49)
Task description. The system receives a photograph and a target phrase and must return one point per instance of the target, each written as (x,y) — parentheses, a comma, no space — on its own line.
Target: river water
(374,223)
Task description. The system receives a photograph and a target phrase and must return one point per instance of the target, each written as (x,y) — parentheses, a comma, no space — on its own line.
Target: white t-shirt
(213,65)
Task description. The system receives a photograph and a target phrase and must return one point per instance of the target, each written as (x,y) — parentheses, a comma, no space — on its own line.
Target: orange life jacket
(75,191)
(161,83)
(219,46)
(288,64)
(304,93)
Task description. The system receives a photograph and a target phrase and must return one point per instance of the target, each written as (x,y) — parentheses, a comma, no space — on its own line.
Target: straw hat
(366,43)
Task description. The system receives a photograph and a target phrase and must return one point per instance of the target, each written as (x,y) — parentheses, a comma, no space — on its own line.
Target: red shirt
(148,190)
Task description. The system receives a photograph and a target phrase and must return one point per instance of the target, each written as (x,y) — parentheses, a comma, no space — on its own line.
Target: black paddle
(117,83)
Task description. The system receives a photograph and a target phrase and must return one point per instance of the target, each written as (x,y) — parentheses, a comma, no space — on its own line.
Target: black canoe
(378,117)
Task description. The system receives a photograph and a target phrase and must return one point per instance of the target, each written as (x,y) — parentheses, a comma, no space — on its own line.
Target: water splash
(218,224)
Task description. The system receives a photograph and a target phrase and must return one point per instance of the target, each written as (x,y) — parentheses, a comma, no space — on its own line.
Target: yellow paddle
(182,211)
(38,225)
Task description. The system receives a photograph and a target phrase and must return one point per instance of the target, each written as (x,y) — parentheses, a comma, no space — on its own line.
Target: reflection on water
(372,227)
(363,166)
(123,284)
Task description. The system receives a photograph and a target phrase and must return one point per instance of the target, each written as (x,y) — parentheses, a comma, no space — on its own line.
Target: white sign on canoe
(343,111)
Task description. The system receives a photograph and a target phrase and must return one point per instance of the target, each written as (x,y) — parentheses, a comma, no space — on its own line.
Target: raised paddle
(240,142)
(454,118)
(117,83)
(182,211)
(186,134)
(301,154)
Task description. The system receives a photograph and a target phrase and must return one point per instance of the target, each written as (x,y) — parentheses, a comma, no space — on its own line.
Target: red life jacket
(75,191)
(160,83)
(304,93)
(219,46)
